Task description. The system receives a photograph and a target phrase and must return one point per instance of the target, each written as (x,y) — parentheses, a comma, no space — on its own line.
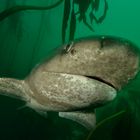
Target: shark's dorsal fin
(87,119)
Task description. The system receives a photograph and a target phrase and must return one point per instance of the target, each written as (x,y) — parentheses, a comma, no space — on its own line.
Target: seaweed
(65,18)
(72,24)
(70,15)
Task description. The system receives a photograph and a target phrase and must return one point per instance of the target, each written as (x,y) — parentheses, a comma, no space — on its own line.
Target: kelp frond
(70,15)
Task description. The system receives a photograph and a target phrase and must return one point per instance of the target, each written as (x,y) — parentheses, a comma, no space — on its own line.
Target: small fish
(83,74)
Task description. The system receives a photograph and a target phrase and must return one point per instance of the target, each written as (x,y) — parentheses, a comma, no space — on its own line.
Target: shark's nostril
(101,80)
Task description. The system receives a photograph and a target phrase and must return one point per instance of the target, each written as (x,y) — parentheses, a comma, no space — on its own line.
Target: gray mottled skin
(82,75)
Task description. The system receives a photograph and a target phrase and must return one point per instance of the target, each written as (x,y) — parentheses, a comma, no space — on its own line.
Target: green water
(28,36)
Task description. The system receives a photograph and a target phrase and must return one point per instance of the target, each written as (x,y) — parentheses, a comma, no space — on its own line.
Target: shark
(81,76)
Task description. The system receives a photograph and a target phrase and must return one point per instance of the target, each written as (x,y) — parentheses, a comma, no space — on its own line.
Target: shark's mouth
(97,78)
(101,80)
(93,78)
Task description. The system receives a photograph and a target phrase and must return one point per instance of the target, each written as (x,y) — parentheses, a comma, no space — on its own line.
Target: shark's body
(83,75)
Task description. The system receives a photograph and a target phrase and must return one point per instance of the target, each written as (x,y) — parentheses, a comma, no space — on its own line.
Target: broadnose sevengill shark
(83,74)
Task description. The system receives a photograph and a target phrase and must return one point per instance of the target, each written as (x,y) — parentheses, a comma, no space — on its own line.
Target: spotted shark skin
(83,74)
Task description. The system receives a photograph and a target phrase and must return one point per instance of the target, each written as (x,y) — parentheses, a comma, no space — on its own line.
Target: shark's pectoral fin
(87,119)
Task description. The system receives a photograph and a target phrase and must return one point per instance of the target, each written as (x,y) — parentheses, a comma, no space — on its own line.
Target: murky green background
(29,36)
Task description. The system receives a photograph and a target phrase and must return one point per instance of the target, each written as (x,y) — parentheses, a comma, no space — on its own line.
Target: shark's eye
(73,51)
(68,47)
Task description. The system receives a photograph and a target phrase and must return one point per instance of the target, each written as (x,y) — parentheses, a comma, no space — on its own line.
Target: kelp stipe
(4,14)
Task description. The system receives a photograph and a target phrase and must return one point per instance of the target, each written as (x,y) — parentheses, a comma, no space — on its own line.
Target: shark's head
(113,61)
(85,73)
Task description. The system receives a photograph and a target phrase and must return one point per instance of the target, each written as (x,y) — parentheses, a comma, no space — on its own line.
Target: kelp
(72,24)
(95,7)
(65,18)
(70,15)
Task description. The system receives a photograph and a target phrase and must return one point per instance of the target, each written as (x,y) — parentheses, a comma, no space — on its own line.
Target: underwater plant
(70,13)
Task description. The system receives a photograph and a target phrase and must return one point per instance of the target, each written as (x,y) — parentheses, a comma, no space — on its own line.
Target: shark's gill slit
(101,80)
